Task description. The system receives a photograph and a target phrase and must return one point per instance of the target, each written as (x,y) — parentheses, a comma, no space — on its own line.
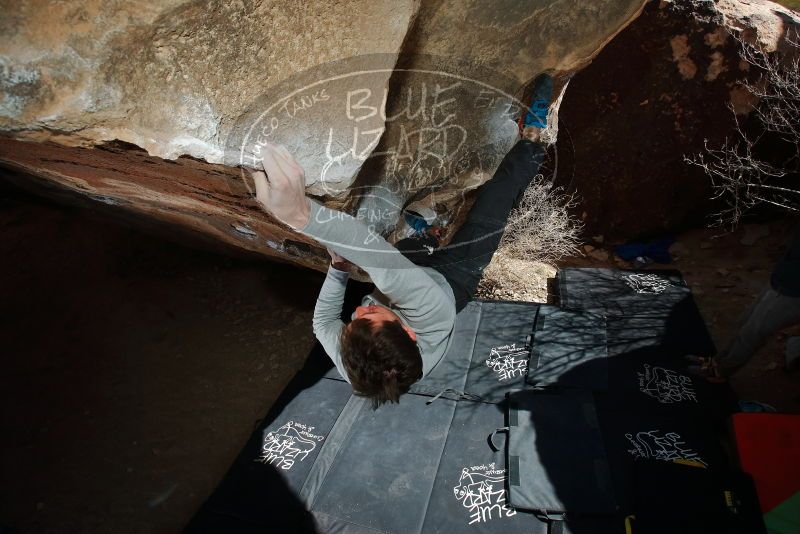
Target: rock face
(473,62)
(201,78)
(172,76)
(206,204)
(661,88)
(403,100)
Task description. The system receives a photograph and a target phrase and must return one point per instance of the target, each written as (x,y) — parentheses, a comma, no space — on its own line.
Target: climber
(401,330)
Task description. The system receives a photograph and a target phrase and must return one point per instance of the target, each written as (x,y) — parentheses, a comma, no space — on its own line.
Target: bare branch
(541,227)
(738,177)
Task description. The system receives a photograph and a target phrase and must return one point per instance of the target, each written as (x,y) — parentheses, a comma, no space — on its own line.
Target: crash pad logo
(650,284)
(665,385)
(482,491)
(508,361)
(664,446)
(291,443)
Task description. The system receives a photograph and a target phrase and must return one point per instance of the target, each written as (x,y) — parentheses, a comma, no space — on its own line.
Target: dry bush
(512,279)
(540,231)
(738,176)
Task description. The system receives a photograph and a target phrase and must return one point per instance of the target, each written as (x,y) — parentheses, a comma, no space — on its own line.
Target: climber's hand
(339,263)
(282,190)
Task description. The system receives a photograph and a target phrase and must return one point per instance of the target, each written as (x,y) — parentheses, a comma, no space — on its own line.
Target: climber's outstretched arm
(282,192)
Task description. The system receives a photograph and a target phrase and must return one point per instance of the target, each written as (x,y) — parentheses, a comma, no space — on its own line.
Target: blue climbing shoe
(423,223)
(416,222)
(540,102)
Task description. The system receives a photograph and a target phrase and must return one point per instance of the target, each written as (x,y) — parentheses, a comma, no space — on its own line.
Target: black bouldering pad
(634,441)
(614,292)
(554,442)
(642,309)
(568,349)
(323,460)
(488,356)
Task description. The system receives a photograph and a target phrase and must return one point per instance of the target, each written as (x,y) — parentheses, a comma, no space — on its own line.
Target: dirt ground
(134,369)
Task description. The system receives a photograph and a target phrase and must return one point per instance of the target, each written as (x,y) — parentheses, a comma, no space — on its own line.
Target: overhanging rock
(172,77)
(205,79)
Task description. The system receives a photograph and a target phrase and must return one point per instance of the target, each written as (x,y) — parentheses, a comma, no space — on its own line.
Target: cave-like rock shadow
(254,496)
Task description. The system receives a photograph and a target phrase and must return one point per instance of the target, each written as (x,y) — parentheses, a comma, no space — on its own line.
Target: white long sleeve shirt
(420,296)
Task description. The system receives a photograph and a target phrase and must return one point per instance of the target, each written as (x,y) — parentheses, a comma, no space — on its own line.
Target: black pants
(463,260)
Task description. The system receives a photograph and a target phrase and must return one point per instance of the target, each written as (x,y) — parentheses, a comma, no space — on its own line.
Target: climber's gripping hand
(282,190)
(339,263)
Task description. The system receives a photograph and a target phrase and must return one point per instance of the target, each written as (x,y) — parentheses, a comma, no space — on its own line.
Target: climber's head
(380,355)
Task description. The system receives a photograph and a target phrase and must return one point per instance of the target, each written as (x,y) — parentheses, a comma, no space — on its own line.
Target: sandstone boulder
(665,86)
(153,108)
